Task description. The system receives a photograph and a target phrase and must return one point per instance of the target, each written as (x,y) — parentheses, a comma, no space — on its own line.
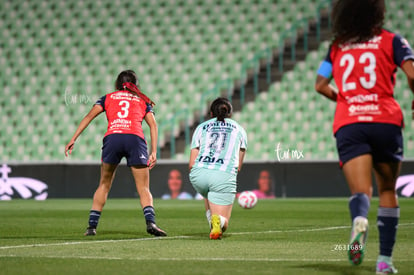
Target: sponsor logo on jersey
(365,118)
(209,159)
(218,125)
(370,108)
(362,98)
(372,44)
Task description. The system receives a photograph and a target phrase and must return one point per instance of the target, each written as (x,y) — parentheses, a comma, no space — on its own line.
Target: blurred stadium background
(59,57)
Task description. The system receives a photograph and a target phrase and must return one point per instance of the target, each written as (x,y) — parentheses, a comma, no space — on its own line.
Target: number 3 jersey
(219,144)
(365,76)
(125,112)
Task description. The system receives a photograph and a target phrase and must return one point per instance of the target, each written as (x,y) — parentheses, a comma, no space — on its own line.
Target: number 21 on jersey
(217,141)
(368,80)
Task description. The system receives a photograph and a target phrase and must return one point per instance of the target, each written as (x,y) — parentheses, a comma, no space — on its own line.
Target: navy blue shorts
(383,141)
(132,147)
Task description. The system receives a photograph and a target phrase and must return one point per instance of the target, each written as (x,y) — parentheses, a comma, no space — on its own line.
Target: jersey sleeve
(149,109)
(402,50)
(195,141)
(101,102)
(325,68)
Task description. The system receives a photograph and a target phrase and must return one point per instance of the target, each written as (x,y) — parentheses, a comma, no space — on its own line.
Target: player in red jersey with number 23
(363,59)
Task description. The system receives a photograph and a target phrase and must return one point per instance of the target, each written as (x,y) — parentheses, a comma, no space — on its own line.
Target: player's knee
(104,186)
(366,191)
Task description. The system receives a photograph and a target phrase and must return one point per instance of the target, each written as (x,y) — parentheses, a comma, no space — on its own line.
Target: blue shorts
(383,141)
(132,147)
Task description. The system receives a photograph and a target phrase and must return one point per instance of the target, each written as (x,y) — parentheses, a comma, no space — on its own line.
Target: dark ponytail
(221,108)
(128,80)
(126,76)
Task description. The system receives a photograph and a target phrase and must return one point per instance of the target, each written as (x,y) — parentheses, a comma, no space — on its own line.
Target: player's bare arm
(408,68)
(242,153)
(94,112)
(323,87)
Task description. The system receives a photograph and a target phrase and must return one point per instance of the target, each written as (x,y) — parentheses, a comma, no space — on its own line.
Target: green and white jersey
(219,144)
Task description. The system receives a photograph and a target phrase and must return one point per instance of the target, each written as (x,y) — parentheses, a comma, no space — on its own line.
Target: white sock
(222,221)
(208,216)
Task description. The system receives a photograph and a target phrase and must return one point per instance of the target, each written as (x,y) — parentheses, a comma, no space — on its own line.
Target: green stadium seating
(304,118)
(59,57)
(291,110)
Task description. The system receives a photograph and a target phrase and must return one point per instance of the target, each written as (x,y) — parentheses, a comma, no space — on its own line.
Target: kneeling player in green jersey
(217,151)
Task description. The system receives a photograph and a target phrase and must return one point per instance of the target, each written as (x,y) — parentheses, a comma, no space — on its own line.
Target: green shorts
(217,186)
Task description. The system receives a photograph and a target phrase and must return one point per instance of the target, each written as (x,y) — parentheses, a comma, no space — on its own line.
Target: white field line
(169,238)
(94,242)
(178,237)
(292,231)
(203,259)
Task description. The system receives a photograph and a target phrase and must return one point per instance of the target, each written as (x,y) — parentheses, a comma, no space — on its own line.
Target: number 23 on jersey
(368,62)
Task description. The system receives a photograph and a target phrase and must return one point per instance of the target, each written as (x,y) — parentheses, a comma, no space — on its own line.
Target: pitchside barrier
(79,180)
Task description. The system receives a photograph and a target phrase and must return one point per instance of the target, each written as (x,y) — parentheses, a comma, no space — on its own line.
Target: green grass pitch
(281,236)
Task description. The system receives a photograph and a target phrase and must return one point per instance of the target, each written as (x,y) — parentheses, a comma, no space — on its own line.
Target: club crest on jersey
(405,43)
(209,159)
